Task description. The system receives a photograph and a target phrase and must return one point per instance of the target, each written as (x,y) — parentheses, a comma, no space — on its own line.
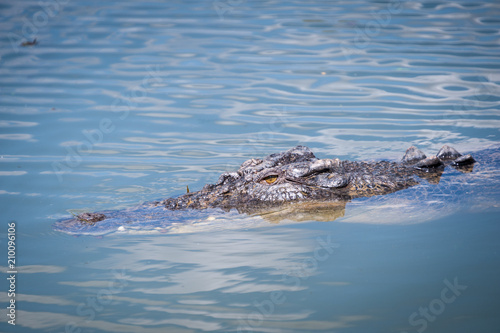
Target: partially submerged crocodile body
(295,176)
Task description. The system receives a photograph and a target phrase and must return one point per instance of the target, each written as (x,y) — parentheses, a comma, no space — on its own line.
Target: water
(124,102)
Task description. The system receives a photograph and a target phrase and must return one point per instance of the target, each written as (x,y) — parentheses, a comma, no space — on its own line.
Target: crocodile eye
(271,179)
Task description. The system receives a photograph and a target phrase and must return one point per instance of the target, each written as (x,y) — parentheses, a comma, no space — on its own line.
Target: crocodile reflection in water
(296,183)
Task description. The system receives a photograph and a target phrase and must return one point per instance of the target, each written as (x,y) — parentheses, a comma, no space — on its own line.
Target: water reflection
(286,279)
(182,282)
(192,274)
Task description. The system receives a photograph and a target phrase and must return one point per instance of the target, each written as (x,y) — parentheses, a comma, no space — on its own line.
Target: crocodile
(296,176)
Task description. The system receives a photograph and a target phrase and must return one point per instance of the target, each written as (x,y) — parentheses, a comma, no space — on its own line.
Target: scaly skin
(297,175)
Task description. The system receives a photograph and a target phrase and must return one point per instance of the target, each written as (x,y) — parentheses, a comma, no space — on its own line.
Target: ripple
(14,123)
(17,136)
(12,173)
(455,88)
(202,86)
(9,193)
(165,115)
(48,269)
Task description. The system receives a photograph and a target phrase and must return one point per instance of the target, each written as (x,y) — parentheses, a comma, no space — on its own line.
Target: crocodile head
(296,175)
(293,175)
(287,176)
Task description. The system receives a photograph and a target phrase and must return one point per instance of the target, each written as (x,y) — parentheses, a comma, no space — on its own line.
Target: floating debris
(28,43)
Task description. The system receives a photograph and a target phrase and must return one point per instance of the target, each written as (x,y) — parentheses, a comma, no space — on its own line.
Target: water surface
(122,102)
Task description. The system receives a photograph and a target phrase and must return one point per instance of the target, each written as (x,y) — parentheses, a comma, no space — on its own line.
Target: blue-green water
(122,102)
